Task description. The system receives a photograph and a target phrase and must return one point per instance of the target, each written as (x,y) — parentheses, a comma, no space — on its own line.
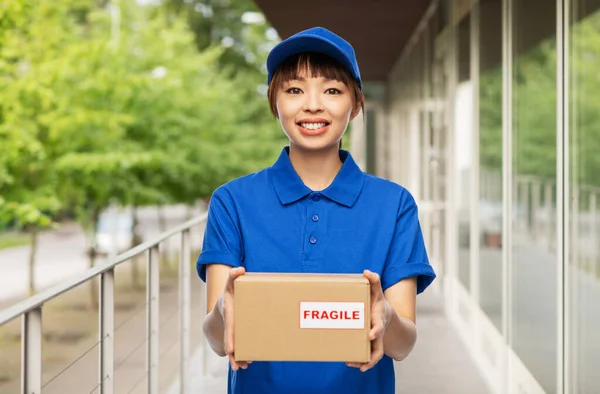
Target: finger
(365,367)
(229,327)
(354,365)
(234,364)
(375,285)
(373,277)
(239,271)
(376,355)
(229,317)
(376,331)
(237,363)
(229,336)
(228,346)
(234,273)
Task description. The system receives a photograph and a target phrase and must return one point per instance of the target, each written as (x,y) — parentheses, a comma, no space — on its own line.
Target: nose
(313,103)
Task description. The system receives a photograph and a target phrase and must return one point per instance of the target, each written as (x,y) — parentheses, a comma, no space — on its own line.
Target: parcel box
(302,317)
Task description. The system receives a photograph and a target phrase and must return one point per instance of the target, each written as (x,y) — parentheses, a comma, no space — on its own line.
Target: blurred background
(117,121)
(119,118)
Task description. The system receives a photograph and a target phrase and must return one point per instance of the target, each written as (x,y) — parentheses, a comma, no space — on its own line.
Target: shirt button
(315,218)
(316,197)
(313,240)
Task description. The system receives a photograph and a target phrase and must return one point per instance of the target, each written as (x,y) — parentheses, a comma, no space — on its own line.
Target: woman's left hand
(381,315)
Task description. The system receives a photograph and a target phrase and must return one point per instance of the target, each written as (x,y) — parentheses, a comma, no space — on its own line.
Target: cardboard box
(302,317)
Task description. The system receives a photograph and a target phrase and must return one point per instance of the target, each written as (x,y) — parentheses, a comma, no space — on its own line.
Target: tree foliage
(219,22)
(116,104)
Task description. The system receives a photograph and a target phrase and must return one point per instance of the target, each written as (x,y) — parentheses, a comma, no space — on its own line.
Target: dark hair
(313,65)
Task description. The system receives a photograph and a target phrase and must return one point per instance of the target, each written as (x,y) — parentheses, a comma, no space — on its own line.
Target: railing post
(106,331)
(593,231)
(31,348)
(550,208)
(152,313)
(184,311)
(536,203)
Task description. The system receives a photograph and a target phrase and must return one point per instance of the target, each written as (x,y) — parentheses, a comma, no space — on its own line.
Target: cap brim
(306,43)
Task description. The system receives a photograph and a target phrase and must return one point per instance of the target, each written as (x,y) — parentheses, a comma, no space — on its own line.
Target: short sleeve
(222,238)
(407,256)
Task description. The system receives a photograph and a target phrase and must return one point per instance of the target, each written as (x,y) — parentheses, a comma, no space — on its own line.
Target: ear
(355,112)
(356,109)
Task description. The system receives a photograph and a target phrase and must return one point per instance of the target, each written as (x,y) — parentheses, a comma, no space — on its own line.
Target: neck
(316,169)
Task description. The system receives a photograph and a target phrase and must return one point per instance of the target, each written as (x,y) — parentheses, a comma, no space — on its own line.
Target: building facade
(491,120)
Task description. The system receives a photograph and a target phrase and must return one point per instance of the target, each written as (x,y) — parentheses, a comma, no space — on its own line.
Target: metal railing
(30,311)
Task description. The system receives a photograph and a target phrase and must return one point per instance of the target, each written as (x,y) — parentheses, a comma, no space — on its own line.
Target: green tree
(100,108)
(220,22)
(31,33)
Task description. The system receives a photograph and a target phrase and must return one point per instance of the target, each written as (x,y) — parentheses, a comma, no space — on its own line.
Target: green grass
(9,240)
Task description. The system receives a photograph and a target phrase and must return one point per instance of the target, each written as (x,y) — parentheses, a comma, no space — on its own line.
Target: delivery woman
(315,211)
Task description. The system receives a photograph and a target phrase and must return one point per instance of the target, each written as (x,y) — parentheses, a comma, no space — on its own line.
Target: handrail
(44,296)
(31,312)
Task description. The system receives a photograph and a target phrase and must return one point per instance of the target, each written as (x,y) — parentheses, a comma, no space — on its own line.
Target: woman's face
(314,112)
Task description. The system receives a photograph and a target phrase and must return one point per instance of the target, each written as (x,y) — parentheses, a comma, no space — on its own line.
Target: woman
(314,210)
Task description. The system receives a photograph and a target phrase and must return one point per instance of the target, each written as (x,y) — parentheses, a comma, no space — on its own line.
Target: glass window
(533,255)
(463,150)
(490,160)
(584,166)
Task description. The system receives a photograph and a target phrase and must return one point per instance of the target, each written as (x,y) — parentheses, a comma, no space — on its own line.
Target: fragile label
(333,315)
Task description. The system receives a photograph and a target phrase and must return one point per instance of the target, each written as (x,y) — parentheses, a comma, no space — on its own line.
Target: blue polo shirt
(269,221)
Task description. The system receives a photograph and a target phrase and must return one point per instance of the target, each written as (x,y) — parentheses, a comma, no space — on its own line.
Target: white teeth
(312,126)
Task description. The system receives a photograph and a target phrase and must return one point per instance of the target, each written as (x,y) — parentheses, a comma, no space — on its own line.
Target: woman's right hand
(226,307)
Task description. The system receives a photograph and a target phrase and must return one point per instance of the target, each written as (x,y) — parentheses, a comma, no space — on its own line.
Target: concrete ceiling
(377,29)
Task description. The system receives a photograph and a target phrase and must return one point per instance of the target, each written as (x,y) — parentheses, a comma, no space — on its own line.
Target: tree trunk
(33,232)
(92,261)
(136,239)
(162,219)
(189,212)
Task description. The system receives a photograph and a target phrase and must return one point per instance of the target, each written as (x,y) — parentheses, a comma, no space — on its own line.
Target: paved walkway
(439,364)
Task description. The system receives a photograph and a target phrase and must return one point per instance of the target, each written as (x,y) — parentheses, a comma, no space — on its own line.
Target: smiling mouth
(313,128)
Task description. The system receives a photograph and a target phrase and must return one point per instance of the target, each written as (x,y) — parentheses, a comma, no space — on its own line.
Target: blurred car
(114,234)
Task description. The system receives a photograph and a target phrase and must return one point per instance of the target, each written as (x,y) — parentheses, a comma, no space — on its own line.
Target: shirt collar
(344,189)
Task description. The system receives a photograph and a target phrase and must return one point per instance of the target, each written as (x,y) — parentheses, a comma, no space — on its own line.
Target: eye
(333,91)
(294,91)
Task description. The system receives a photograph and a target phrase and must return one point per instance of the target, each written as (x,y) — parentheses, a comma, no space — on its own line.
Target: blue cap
(317,39)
